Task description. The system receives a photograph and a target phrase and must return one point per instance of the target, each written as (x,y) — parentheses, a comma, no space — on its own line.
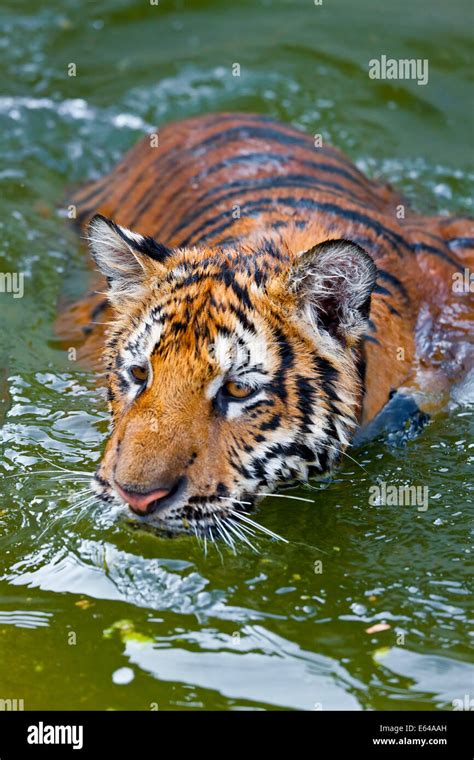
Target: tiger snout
(152,501)
(160,474)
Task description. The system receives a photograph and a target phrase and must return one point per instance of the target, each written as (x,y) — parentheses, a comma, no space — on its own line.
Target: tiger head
(229,371)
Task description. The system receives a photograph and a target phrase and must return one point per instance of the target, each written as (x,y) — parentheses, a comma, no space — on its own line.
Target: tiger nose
(142,503)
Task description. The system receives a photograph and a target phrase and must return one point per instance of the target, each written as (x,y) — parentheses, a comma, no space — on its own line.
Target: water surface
(96,614)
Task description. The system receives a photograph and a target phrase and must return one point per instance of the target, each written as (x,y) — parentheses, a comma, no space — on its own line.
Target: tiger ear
(333,282)
(124,257)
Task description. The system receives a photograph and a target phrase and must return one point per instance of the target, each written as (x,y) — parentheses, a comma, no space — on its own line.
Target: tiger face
(230,371)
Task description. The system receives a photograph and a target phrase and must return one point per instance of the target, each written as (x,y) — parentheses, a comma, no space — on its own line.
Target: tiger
(258,304)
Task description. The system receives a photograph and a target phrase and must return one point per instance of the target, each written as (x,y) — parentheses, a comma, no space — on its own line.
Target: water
(96,614)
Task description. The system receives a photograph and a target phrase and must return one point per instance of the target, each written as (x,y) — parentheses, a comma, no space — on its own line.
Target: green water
(270,631)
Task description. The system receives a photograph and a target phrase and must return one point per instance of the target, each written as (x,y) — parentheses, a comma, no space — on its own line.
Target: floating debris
(378,628)
(126,631)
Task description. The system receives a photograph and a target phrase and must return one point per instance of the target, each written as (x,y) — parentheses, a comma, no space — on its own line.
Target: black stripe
(456,218)
(272,424)
(395,240)
(172,158)
(328,375)
(268,158)
(461,242)
(242,317)
(97,189)
(176,152)
(389,277)
(381,290)
(361,365)
(392,309)
(233,240)
(273,134)
(166,166)
(99,308)
(297,181)
(287,359)
(306,402)
(297,178)
(424,248)
(240,290)
(244,132)
(371,339)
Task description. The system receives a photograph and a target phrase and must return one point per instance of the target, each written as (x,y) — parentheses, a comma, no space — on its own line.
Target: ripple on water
(308,645)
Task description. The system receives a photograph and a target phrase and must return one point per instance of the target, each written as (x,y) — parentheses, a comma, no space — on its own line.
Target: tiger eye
(237,390)
(139,373)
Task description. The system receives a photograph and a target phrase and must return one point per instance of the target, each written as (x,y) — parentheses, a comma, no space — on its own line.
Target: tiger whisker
(345,454)
(249,530)
(258,527)
(230,541)
(52,524)
(198,537)
(84,509)
(254,524)
(218,527)
(81,497)
(236,501)
(286,496)
(60,478)
(84,490)
(307,484)
(58,467)
(211,536)
(79,504)
(41,472)
(237,532)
